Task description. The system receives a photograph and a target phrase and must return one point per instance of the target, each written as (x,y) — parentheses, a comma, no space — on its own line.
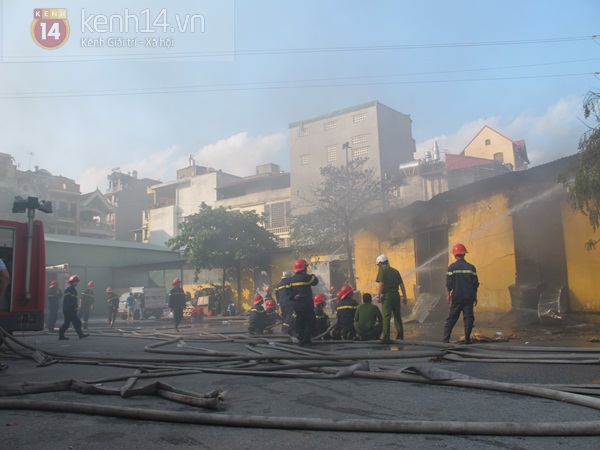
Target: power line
(283,51)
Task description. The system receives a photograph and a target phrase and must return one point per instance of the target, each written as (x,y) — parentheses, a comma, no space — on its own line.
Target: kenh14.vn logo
(50,27)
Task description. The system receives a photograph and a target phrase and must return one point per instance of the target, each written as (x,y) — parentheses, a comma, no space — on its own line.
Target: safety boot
(447,333)
(468,331)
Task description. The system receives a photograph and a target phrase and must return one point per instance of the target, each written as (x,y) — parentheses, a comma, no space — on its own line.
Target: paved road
(119,352)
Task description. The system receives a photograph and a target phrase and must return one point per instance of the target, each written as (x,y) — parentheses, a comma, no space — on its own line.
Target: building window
(488,142)
(330,125)
(331,151)
(360,152)
(359,118)
(499,157)
(304,160)
(303,130)
(277,215)
(362,139)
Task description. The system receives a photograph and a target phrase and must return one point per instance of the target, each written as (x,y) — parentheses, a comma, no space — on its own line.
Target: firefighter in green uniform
(389,281)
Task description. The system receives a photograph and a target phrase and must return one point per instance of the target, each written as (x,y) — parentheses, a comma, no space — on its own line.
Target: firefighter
(53,296)
(86,304)
(177,301)
(271,314)
(70,310)
(368,321)
(346,308)
(113,306)
(286,305)
(299,290)
(258,318)
(322,320)
(389,281)
(462,284)
(268,293)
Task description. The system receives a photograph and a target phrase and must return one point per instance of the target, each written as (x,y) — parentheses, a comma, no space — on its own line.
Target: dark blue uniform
(462,283)
(300,292)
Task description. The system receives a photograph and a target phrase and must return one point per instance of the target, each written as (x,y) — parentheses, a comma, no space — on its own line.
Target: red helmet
(90,284)
(300,265)
(53,284)
(109,290)
(344,291)
(319,299)
(73,279)
(270,303)
(268,289)
(176,281)
(459,249)
(258,299)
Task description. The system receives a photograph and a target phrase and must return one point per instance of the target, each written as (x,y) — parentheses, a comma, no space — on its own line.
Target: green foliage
(583,180)
(220,238)
(345,194)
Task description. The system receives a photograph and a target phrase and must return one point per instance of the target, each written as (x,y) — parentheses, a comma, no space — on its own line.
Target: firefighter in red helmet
(258,319)
(299,290)
(346,308)
(462,284)
(70,310)
(323,322)
(177,302)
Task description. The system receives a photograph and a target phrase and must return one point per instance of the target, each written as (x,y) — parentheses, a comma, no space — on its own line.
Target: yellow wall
(485,229)
(583,266)
(402,257)
(498,144)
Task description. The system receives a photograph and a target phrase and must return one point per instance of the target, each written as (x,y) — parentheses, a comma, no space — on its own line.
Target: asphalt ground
(219,355)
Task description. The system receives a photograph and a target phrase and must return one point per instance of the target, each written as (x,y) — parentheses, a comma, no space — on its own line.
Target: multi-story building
(96,216)
(129,197)
(370,130)
(267,193)
(174,200)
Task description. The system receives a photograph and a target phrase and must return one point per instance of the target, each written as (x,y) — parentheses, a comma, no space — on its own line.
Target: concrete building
(370,130)
(173,201)
(96,216)
(267,193)
(129,196)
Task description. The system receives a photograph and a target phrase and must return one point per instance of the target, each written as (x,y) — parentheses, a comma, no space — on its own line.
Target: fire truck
(23,251)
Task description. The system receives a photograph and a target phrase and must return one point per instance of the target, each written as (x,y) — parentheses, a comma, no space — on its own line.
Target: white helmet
(381,259)
(286,274)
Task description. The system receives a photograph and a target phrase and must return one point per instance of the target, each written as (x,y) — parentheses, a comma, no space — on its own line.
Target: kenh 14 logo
(50,27)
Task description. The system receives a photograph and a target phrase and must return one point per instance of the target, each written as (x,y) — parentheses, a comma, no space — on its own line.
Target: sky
(226,88)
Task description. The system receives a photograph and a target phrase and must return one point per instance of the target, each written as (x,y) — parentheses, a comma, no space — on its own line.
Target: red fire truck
(23,251)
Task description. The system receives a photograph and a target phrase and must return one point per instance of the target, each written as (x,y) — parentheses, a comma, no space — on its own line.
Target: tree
(345,194)
(583,179)
(221,238)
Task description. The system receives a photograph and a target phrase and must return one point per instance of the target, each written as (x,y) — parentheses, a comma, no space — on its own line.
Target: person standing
(130,306)
(300,292)
(70,310)
(368,321)
(462,284)
(285,303)
(177,301)
(141,298)
(389,281)
(53,297)
(87,304)
(113,306)
(322,323)
(346,309)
